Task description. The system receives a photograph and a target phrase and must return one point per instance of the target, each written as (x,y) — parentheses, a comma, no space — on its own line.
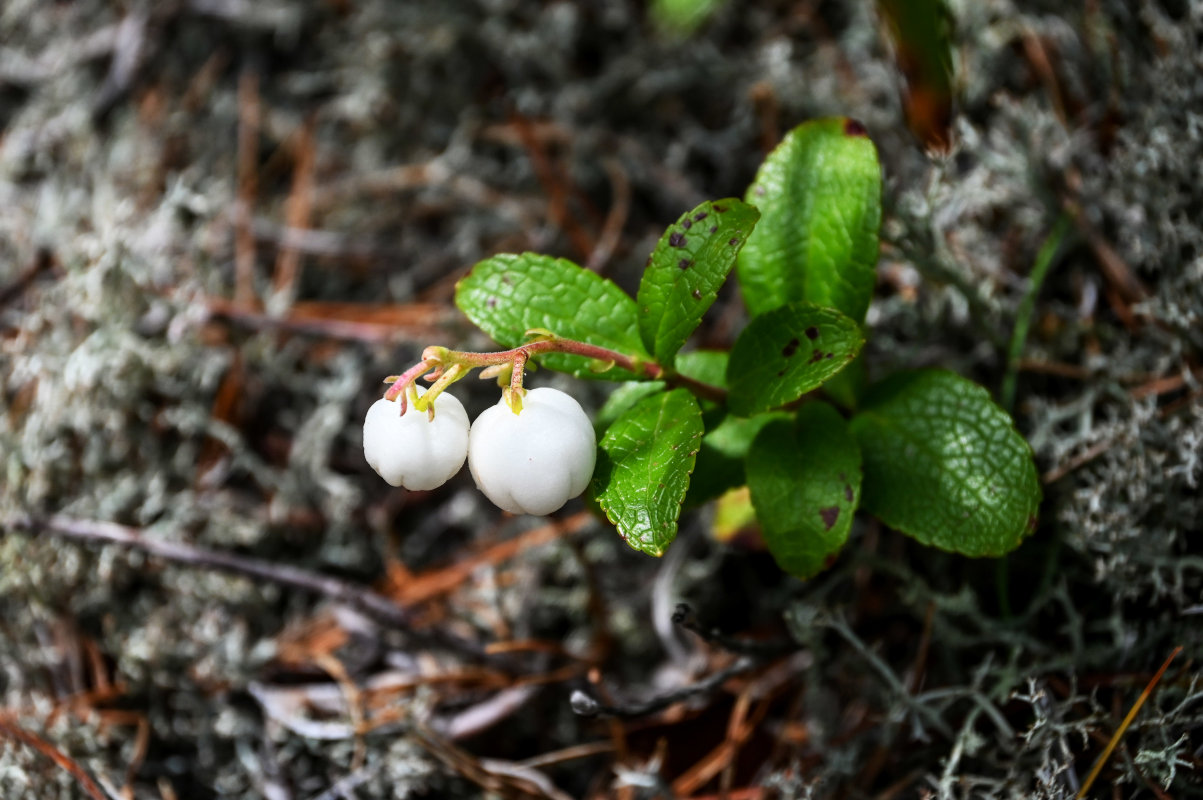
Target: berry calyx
(533,460)
(414,449)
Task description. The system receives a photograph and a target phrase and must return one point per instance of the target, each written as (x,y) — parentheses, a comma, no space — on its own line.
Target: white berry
(535,461)
(412,450)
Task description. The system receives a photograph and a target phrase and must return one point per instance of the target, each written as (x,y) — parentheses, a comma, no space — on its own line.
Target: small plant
(789,411)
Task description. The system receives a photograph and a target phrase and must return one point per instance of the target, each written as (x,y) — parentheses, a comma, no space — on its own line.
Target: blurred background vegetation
(223,222)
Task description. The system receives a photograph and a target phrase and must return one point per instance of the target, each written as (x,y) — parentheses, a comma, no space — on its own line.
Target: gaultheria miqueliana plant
(789,412)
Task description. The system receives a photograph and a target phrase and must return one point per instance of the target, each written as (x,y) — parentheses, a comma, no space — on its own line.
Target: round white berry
(535,461)
(413,450)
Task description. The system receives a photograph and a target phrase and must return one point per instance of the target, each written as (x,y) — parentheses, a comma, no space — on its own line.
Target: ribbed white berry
(535,461)
(412,450)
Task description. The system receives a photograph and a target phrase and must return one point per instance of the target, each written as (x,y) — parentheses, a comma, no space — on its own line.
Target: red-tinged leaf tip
(854,127)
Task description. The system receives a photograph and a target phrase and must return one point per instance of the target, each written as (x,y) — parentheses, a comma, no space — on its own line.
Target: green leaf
(788,352)
(945,465)
(685,271)
(707,366)
(623,399)
(805,479)
(507,295)
(682,17)
(848,386)
(819,195)
(720,464)
(643,468)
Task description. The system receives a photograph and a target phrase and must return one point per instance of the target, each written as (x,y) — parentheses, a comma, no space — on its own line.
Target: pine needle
(1123,727)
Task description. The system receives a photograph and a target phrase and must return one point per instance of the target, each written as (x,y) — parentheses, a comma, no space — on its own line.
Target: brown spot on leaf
(790,348)
(780,373)
(848,493)
(815,357)
(734,240)
(505,278)
(829,515)
(1031,522)
(687,223)
(676,239)
(701,215)
(714,229)
(718,209)
(697,295)
(492,303)
(829,355)
(853,127)
(812,333)
(685,263)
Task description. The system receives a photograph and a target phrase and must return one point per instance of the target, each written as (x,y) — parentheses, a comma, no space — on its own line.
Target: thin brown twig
(166,790)
(616,218)
(1173,408)
(61,759)
(1123,727)
(1120,277)
(557,194)
(426,586)
(248,187)
(1080,460)
(426,317)
(141,748)
(365,600)
(296,216)
(920,665)
(568,754)
(1057,368)
(1038,57)
(740,727)
(1160,386)
(353,698)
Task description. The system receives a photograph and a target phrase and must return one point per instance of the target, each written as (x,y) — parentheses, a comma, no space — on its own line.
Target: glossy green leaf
(643,468)
(847,387)
(720,464)
(788,352)
(805,478)
(623,399)
(685,271)
(706,366)
(819,195)
(945,465)
(507,295)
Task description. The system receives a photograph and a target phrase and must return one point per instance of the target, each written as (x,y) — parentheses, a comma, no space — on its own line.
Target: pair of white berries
(527,463)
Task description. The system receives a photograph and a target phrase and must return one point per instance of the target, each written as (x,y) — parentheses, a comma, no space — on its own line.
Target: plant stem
(405,379)
(647,369)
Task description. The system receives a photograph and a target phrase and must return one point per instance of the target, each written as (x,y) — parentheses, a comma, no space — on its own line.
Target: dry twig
(15,732)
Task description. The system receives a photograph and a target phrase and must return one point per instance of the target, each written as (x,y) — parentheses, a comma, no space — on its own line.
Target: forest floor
(224,222)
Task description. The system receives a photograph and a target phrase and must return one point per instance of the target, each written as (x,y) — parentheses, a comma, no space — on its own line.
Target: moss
(127,398)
